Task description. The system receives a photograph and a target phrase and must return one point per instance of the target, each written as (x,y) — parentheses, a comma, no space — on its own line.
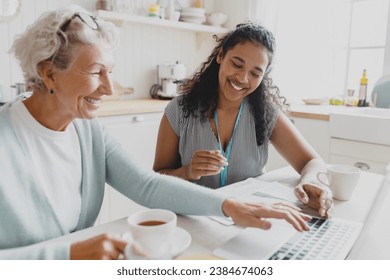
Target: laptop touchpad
(256,244)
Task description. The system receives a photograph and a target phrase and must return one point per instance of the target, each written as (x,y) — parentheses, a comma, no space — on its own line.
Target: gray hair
(45,41)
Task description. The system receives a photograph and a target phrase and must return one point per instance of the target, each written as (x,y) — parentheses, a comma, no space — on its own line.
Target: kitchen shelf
(120,18)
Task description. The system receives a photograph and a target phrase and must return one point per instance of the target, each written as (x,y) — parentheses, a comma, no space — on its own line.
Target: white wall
(237,10)
(142,46)
(386,64)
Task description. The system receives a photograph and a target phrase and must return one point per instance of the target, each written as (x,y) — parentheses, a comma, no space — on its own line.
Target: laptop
(327,239)
(375,224)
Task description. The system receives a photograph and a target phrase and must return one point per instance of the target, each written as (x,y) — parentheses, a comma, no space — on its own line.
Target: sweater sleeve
(18,230)
(39,251)
(154,190)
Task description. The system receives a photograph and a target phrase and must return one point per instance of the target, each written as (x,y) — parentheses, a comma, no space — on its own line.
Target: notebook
(327,239)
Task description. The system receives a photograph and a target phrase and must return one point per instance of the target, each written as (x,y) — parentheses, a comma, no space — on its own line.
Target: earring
(51,91)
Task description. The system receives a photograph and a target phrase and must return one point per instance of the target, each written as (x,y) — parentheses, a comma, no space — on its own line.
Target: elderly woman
(56,158)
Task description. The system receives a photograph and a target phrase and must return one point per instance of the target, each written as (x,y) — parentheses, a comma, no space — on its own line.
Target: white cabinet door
(316,132)
(138,136)
(366,156)
(275,160)
(362,164)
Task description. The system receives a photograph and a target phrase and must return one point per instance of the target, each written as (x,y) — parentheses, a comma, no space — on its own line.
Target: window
(322,46)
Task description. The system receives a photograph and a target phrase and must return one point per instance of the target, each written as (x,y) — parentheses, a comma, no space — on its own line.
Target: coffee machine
(168,76)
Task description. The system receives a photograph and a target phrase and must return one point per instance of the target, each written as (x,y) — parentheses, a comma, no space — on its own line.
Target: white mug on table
(341,179)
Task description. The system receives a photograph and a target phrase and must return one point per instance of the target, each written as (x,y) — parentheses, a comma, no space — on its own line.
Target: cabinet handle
(138,118)
(362,166)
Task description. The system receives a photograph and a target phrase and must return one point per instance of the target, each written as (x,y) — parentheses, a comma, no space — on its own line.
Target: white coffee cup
(341,179)
(153,231)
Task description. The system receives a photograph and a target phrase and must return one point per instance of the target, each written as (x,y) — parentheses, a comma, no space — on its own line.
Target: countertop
(139,106)
(131,106)
(318,112)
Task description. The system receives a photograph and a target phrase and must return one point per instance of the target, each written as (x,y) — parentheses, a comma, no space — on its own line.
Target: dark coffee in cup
(151,223)
(153,230)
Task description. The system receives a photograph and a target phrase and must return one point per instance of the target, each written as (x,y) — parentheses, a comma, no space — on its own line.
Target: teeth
(235,86)
(92,100)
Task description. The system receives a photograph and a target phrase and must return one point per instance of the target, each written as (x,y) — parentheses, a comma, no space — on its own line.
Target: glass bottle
(198,4)
(350,99)
(363,90)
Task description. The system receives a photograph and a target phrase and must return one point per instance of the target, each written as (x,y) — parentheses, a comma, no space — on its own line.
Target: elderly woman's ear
(47,72)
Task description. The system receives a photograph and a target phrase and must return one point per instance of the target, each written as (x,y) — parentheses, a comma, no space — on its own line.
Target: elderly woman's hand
(255,215)
(316,197)
(205,163)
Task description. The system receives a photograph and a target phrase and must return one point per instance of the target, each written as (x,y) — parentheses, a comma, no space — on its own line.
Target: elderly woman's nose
(107,85)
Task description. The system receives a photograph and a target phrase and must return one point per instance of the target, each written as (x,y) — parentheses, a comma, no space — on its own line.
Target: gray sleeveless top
(246,159)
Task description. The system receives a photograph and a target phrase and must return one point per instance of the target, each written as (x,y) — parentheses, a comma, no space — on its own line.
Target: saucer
(181,240)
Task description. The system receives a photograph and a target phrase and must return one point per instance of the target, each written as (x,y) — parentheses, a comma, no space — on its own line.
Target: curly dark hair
(200,93)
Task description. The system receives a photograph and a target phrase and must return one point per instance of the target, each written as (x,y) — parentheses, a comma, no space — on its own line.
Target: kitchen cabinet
(315,131)
(361,138)
(366,156)
(333,132)
(137,133)
(275,160)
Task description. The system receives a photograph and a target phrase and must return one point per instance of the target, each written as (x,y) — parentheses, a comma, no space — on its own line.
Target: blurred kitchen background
(322,45)
(323,49)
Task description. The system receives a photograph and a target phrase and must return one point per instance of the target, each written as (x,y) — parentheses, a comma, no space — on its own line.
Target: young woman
(217,132)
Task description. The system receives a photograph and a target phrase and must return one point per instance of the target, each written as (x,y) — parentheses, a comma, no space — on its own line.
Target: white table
(207,234)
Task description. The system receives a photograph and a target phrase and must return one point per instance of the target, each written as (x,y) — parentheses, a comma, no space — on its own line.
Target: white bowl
(195,20)
(313,101)
(193,11)
(191,14)
(216,18)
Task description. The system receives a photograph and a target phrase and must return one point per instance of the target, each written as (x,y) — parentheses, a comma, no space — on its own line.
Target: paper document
(253,190)
(260,191)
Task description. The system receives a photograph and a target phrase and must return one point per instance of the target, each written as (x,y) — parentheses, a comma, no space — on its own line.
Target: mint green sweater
(26,217)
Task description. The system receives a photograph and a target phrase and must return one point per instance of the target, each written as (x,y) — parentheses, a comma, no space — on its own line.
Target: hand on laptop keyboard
(256,215)
(316,197)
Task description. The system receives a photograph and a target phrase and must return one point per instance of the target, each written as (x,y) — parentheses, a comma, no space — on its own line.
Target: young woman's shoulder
(174,113)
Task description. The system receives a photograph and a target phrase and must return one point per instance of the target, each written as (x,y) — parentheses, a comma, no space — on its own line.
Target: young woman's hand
(256,215)
(316,197)
(205,163)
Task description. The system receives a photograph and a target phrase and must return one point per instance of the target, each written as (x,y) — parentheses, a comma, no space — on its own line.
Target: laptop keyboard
(324,241)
